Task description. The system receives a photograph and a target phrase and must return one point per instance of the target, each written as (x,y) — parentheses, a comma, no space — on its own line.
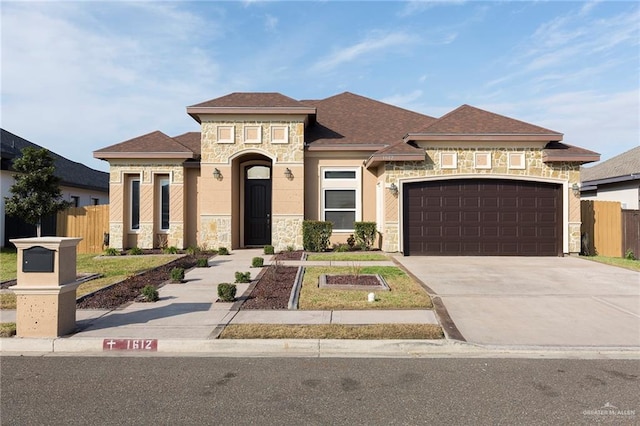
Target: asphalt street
(302,391)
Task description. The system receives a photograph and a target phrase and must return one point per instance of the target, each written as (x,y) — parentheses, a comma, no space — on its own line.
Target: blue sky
(79,76)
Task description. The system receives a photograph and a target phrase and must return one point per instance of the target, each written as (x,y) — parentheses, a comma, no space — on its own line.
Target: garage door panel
(482,217)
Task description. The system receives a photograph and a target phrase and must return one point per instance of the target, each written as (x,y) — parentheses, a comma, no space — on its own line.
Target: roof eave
(143,155)
(554,157)
(346,147)
(523,137)
(197,111)
(616,179)
(375,160)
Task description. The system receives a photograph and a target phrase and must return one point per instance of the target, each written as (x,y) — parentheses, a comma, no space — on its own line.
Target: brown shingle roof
(625,164)
(349,119)
(467,119)
(246,100)
(155,144)
(399,151)
(191,140)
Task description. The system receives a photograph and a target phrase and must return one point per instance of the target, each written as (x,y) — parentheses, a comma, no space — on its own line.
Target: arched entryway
(255,200)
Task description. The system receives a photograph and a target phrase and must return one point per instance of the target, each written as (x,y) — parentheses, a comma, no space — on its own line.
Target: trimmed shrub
(110,251)
(243,277)
(365,233)
(223,251)
(177,275)
(268,249)
(135,251)
(202,262)
(316,234)
(257,262)
(227,292)
(170,250)
(150,293)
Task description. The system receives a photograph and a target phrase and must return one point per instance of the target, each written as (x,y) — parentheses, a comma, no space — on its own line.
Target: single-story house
(79,184)
(616,179)
(468,183)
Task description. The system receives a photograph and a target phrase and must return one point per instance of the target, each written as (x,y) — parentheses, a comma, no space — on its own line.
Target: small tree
(36,191)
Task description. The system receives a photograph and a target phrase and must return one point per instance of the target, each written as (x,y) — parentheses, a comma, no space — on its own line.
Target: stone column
(46,288)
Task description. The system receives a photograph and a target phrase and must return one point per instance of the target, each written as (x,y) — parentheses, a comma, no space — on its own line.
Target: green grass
(332,331)
(7,329)
(405,293)
(112,270)
(346,256)
(634,265)
(8,264)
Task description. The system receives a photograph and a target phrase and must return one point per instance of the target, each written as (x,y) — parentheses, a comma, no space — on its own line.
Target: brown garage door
(482,217)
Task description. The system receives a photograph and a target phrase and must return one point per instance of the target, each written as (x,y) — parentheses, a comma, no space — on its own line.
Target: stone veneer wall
(145,236)
(216,226)
(286,230)
(534,168)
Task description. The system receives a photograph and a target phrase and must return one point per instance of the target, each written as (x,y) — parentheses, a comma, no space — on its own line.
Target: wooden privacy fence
(607,230)
(89,223)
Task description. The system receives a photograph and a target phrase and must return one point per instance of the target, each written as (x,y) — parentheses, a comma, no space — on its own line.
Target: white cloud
(270,22)
(354,52)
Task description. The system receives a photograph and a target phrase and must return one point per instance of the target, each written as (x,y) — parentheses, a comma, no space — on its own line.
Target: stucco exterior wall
(627,193)
(148,236)
(534,169)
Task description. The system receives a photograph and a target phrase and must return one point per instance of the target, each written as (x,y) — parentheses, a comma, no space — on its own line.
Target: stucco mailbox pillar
(46,288)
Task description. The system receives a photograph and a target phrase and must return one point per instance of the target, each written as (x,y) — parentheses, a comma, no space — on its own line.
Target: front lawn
(332,331)
(405,293)
(634,265)
(111,268)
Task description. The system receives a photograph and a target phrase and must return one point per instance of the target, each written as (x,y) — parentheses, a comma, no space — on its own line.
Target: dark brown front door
(482,217)
(257,212)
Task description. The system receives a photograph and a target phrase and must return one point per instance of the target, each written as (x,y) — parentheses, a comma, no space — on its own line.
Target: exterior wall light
(393,189)
(576,189)
(217,174)
(288,174)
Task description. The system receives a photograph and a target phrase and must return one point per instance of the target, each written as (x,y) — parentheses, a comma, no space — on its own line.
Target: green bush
(257,262)
(268,249)
(150,293)
(341,248)
(135,251)
(227,292)
(351,241)
(316,234)
(291,248)
(629,255)
(170,250)
(203,262)
(110,251)
(192,250)
(365,233)
(243,277)
(223,251)
(177,275)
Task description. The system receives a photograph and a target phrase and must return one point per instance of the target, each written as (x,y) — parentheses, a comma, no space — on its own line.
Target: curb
(317,348)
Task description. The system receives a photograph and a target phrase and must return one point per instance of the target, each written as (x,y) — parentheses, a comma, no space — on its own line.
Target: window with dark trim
(135,204)
(164,204)
(340,197)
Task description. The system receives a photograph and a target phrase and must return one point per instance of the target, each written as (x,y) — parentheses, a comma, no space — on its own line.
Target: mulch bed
(129,289)
(289,255)
(346,280)
(273,290)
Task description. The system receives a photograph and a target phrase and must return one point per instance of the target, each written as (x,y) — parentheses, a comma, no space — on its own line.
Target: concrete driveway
(548,301)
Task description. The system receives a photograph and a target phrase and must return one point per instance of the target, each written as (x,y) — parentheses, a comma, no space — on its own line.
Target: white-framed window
(279,134)
(341,200)
(226,134)
(449,160)
(252,134)
(482,160)
(134,204)
(517,161)
(163,202)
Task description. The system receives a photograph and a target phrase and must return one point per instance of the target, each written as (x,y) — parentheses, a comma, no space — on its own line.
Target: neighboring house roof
(350,121)
(70,173)
(152,145)
(468,121)
(622,167)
